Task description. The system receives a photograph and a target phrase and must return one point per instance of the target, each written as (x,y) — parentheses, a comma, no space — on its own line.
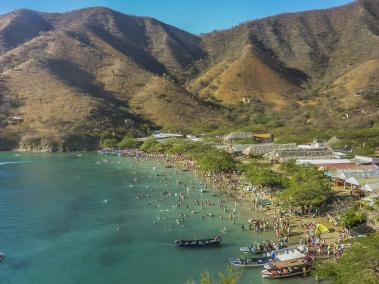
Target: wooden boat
(250,261)
(199,243)
(256,250)
(287,263)
(283,273)
(282,269)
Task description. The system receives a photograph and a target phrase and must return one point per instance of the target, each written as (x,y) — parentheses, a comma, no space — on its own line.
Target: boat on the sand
(285,269)
(287,263)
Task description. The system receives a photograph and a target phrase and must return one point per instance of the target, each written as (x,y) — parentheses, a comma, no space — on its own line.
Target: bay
(89,218)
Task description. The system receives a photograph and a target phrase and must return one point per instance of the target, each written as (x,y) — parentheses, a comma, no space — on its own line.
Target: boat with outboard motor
(287,263)
(250,261)
(199,243)
(287,271)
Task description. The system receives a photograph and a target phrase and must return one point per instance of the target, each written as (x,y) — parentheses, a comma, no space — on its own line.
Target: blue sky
(196,16)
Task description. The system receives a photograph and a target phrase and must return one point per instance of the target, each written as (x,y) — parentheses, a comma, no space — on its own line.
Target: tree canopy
(360,265)
(263,176)
(231,276)
(109,143)
(128,142)
(216,161)
(352,217)
(308,187)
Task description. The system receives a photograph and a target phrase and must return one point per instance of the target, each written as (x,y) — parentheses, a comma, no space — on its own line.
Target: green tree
(289,167)
(216,161)
(149,145)
(109,143)
(360,265)
(128,142)
(230,277)
(188,148)
(263,176)
(352,217)
(307,188)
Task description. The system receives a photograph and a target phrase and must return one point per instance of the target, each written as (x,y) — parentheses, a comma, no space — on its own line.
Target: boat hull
(249,262)
(198,243)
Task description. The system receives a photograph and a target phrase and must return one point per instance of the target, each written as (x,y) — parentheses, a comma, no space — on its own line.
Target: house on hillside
(366,160)
(263,137)
(159,135)
(257,150)
(284,155)
(15,120)
(238,148)
(250,100)
(368,186)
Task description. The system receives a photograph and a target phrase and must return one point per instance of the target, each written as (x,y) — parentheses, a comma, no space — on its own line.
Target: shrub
(128,142)
(149,145)
(352,217)
(358,265)
(109,143)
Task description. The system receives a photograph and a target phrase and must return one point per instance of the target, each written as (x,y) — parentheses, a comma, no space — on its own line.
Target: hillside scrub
(360,265)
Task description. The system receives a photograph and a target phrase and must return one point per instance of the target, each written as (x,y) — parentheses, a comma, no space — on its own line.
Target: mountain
(303,47)
(68,79)
(71,77)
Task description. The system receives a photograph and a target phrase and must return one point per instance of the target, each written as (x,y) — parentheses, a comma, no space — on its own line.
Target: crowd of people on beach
(225,186)
(318,246)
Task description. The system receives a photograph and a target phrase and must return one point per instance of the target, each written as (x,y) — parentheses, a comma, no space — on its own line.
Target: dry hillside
(68,79)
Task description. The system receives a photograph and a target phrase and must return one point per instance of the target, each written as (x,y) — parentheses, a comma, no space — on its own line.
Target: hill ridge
(96,72)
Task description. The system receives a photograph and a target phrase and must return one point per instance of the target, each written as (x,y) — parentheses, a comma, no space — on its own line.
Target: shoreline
(294,229)
(232,186)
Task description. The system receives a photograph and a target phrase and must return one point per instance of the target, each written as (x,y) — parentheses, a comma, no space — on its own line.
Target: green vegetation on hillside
(360,265)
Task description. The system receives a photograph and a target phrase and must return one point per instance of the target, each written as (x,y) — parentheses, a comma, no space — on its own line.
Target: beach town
(302,236)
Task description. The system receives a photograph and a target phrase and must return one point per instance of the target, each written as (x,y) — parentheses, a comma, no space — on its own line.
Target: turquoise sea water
(67,218)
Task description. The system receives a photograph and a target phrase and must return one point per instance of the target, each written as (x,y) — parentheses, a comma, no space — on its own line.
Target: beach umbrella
(320,228)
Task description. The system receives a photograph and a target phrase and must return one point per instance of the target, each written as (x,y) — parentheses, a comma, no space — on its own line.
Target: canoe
(199,243)
(250,261)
